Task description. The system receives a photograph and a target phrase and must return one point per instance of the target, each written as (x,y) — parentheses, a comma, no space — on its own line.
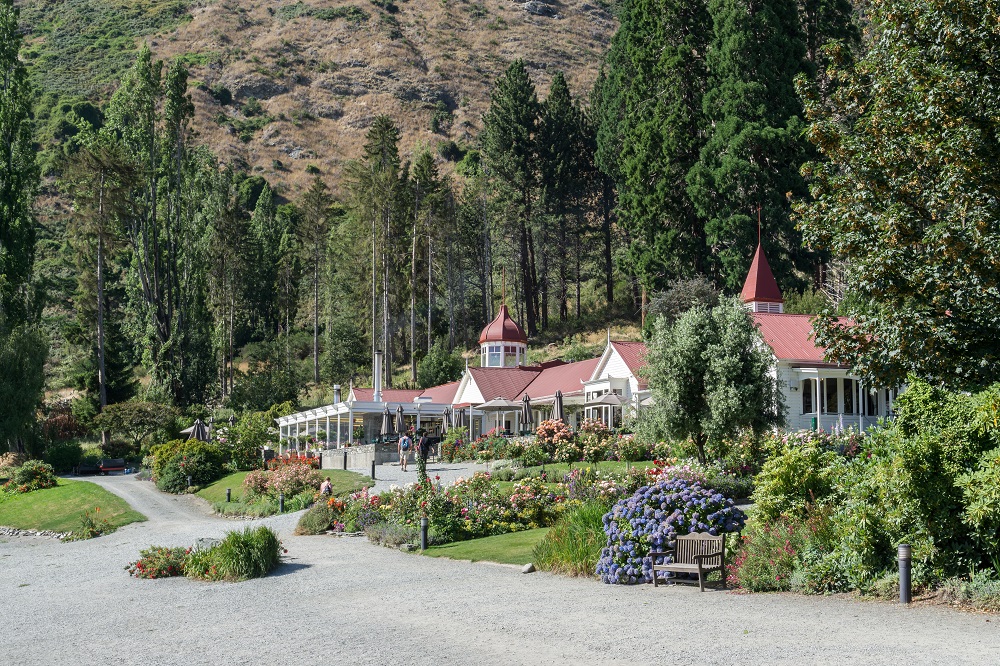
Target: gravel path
(344,601)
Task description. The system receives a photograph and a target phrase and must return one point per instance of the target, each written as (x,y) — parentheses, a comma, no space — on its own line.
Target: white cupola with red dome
(503,344)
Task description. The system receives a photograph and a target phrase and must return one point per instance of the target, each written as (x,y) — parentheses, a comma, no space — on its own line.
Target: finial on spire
(503,285)
(758,224)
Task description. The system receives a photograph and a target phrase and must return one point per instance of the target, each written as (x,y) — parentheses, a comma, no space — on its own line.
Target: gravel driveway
(344,601)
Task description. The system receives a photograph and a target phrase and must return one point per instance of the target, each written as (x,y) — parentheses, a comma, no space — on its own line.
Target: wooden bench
(87,470)
(698,552)
(112,465)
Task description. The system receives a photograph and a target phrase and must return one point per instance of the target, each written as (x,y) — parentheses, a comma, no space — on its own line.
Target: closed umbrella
(460,419)
(526,419)
(386,429)
(445,418)
(199,431)
(400,425)
(557,407)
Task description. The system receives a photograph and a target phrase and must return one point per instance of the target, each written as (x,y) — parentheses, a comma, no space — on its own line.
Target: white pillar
(819,408)
(350,426)
(418,417)
(861,409)
(338,427)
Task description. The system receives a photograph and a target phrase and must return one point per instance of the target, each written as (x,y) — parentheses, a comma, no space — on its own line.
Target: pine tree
(657,61)
(18,174)
(315,229)
(509,149)
(22,348)
(754,150)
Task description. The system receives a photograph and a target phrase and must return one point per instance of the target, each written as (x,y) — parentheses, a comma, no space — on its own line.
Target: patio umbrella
(526,419)
(611,399)
(460,418)
(400,425)
(385,422)
(199,431)
(557,407)
(445,418)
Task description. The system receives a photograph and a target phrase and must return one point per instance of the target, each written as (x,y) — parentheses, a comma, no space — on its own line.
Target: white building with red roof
(817,393)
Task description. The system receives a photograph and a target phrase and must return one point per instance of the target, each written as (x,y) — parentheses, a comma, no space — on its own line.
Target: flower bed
(649,521)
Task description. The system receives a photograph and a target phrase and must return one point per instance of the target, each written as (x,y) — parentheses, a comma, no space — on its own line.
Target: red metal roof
(503,329)
(506,383)
(444,393)
(790,337)
(760,284)
(565,377)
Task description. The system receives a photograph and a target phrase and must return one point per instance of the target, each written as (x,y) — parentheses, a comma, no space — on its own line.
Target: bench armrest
(663,554)
(705,556)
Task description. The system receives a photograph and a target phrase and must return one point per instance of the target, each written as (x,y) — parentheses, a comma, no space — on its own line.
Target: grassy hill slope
(320,69)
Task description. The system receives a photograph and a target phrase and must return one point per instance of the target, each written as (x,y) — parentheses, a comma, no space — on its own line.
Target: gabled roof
(565,377)
(790,337)
(506,383)
(633,353)
(760,284)
(445,393)
(503,329)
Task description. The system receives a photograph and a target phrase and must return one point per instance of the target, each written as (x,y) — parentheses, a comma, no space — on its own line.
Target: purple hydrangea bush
(650,520)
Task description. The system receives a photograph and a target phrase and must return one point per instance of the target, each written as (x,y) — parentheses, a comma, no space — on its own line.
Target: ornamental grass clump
(241,555)
(651,519)
(573,545)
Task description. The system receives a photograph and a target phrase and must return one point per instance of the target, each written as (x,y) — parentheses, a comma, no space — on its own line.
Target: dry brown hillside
(322,69)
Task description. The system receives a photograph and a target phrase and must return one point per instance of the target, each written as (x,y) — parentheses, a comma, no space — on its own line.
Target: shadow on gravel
(287,569)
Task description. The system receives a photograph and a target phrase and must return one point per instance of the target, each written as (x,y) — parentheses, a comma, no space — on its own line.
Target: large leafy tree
(754,149)
(710,374)
(909,194)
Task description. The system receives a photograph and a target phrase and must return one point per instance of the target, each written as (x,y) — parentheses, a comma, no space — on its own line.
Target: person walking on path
(405,444)
(423,450)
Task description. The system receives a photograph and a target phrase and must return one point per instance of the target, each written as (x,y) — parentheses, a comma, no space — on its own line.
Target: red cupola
(503,342)
(503,329)
(760,291)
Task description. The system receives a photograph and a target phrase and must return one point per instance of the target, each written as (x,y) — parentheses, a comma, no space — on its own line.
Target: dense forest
(135,262)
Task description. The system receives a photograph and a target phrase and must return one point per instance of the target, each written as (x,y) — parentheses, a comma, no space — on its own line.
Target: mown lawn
(59,509)
(513,548)
(343,483)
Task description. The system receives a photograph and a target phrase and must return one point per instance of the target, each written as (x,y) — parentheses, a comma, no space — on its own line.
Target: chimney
(336,394)
(377,377)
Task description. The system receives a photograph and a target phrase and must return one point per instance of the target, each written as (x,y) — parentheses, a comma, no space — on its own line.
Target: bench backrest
(699,543)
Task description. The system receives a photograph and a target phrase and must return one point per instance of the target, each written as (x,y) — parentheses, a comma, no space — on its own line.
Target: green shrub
(573,545)
(392,535)
(506,474)
(979,590)
(316,520)
(32,475)
(175,461)
(796,477)
(159,562)
(770,553)
(981,496)
(241,555)
(63,456)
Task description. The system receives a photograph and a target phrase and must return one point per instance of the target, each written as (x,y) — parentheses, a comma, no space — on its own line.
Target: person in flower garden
(405,444)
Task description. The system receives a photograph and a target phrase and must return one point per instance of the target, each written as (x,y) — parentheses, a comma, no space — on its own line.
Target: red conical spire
(503,329)
(760,285)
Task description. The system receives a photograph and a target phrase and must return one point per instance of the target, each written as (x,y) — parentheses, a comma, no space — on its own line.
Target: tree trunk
(608,213)
(413,301)
(699,441)
(430,290)
(316,317)
(102,377)
(526,287)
